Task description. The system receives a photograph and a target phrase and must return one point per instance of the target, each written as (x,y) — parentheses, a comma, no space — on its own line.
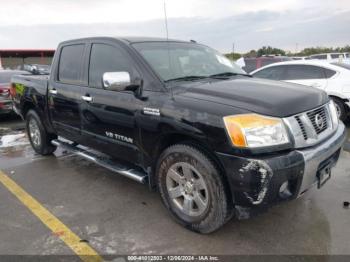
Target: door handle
(53,91)
(87,98)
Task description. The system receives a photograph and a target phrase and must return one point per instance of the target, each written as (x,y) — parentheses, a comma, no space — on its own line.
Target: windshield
(172,60)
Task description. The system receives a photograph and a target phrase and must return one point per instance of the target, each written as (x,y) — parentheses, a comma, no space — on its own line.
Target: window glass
(301,72)
(336,56)
(105,58)
(322,57)
(273,73)
(70,65)
(172,60)
(329,73)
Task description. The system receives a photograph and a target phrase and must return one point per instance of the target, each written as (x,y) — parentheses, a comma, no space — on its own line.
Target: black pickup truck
(183,119)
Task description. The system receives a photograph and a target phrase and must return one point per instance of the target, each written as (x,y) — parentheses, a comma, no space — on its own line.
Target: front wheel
(39,138)
(341,108)
(192,189)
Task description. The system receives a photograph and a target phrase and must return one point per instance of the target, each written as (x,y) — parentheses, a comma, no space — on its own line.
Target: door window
(274,73)
(70,64)
(106,58)
(303,72)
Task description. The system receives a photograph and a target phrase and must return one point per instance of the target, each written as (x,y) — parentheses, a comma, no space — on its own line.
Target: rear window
(70,65)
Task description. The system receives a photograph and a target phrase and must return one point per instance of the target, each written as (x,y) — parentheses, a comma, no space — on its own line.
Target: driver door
(109,117)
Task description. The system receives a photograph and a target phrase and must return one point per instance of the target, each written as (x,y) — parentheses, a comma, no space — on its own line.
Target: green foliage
(233,56)
(268,50)
(318,50)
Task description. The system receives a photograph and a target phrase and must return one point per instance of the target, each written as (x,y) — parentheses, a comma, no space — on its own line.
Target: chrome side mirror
(116,81)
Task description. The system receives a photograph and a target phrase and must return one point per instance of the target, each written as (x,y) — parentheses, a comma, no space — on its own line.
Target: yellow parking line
(82,249)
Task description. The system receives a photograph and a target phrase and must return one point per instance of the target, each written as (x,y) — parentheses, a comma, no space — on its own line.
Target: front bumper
(257,182)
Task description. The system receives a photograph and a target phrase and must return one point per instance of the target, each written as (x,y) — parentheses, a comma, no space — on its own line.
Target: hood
(267,97)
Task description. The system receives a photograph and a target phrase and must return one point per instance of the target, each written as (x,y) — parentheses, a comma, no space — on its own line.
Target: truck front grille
(302,127)
(311,127)
(318,119)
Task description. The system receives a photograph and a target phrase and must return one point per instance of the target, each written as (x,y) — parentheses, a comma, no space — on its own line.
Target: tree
(233,56)
(268,50)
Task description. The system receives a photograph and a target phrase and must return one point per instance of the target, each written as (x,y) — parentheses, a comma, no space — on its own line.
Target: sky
(287,24)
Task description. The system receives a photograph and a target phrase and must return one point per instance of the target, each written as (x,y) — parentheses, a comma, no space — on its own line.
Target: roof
(137,39)
(128,39)
(26,52)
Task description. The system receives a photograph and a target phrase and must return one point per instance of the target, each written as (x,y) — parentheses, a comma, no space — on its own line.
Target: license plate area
(325,169)
(323,175)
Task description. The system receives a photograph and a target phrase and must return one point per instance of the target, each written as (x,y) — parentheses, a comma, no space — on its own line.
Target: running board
(129,172)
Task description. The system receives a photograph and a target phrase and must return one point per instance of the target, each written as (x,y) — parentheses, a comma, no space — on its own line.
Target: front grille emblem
(319,121)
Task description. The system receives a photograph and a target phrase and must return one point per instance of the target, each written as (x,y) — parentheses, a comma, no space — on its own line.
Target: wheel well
(173,139)
(26,107)
(343,100)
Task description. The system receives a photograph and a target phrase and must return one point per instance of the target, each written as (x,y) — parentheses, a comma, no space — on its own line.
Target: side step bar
(131,173)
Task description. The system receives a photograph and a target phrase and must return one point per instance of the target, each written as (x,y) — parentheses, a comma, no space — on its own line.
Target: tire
(39,138)
(195,193)
(341,109)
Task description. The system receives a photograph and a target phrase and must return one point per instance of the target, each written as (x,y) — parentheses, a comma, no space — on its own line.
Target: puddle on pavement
(14,144)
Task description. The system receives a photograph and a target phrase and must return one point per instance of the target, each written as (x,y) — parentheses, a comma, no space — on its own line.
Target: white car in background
(332,57)
(334,78)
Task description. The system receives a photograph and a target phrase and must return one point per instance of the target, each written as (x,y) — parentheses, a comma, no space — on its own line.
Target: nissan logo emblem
(319,121)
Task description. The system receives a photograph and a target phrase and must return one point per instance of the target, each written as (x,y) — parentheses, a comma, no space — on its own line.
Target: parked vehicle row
(334,78)
(180,117)
(249,64)
(332,57)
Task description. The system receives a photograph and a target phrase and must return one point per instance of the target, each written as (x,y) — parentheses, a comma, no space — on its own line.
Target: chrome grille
(318,119)
(310,127)
(302,127)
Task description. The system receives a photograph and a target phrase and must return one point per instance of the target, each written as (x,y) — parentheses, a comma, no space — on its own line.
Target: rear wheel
(192,189)
(341,109)
(39,138)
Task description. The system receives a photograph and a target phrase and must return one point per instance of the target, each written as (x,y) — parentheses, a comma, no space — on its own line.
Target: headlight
(334,114)
(252,130)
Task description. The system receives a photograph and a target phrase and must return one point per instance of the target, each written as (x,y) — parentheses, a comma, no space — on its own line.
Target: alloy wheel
(187,189)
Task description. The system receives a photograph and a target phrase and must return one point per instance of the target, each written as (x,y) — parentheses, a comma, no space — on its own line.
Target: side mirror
(116,81)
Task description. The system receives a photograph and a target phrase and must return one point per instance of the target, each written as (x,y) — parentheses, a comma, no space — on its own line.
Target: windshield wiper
(225,74)
(186,78)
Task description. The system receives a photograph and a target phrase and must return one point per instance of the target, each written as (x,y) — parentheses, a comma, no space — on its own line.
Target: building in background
(16,58)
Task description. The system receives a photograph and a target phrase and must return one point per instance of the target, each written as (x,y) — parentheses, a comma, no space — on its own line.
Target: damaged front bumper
(259,182)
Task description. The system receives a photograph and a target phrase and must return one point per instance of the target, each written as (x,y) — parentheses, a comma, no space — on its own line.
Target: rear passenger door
(64,91)
(108,120)
(307,75)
